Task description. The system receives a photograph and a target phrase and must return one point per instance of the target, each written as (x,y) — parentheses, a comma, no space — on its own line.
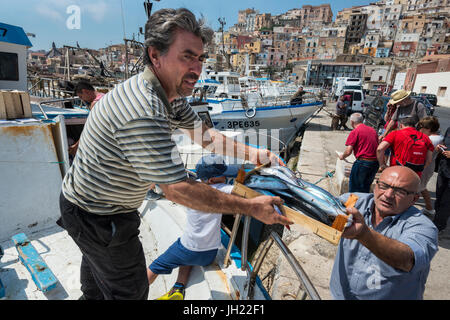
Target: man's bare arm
(348,151)
(429,158)
(214,141)
(388,129)
(200,196)
(380,152)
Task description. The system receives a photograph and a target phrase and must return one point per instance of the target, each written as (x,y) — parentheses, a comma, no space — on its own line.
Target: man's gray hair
(161,26)
(357,117)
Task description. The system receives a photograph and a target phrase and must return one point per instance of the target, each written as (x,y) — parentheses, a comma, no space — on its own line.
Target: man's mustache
(191,76)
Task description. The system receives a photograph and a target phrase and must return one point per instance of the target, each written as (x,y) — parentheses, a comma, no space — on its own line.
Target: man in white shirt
(200,241)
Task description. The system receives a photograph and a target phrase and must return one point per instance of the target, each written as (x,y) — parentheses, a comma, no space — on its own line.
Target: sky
(99,23)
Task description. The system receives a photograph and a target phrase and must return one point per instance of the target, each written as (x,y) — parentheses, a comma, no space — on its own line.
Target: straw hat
(399,95)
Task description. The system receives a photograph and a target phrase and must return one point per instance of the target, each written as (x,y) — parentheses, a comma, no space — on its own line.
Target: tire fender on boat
(250,113)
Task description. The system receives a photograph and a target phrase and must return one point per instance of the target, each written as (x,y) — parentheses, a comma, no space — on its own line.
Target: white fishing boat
(261,112)
(39,260)
(272,125)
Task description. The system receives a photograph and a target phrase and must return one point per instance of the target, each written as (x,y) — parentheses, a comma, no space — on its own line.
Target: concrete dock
(318,157)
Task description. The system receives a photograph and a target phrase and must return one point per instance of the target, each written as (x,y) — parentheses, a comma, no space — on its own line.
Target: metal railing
(306,288)
(53,101)
(46,87)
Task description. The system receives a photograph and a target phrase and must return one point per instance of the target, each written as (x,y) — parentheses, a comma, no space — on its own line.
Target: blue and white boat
(259,109)
(270,125)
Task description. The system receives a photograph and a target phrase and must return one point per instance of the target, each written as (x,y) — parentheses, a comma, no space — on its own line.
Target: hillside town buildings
(375,42)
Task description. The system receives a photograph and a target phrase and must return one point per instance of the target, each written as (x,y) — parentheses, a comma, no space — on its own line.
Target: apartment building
(263,20)
(296,47)
(377,76)
(438,65)
(321,73)
(370,42)
(356,28)
(375,15)
(320,13)
(406,44)
(428,6)
(343,16)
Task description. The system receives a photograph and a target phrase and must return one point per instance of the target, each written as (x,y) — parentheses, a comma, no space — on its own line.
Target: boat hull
(271,127)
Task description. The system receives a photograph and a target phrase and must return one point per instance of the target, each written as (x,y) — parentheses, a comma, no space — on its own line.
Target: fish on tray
(297,193)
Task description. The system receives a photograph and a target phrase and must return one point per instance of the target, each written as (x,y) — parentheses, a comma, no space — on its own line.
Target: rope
(328,174)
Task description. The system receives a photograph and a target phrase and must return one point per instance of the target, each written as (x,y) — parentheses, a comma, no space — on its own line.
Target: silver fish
(297,204)
(313,202)
(300,194)
(267,183)
(283,173)
(326,196)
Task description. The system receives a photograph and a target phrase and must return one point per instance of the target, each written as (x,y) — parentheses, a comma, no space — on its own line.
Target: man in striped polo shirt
(126,147)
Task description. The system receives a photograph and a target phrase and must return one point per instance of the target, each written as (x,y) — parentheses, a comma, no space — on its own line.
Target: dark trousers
(113,263)
(442,203)
(342,121)
(362,175)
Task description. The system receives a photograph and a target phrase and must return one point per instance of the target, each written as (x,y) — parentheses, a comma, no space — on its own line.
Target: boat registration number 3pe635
(243,124)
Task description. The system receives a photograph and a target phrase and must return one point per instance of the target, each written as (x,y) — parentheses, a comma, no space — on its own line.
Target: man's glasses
(397,191)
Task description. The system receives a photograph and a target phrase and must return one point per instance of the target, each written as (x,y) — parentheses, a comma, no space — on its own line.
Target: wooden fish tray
(331,234)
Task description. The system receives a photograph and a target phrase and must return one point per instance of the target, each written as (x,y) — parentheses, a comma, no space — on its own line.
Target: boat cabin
(14,44)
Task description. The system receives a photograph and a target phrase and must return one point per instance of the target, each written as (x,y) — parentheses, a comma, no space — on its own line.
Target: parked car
(374,111)
(357,98)
(374,92)
(426,103)
(430,97)
(376,107)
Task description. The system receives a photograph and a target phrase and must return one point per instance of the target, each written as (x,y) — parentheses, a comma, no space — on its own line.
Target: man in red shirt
(410,148)
(363,142)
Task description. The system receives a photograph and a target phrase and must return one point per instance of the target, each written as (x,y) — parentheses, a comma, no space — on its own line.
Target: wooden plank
(3,114)
(9,103)
(26,105)
(42,276)
(322,230)
(17,102)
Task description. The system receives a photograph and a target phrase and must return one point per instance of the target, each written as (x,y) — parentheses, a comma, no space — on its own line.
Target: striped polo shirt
(126,146)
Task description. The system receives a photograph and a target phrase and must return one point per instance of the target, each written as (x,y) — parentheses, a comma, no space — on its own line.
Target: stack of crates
(14,105)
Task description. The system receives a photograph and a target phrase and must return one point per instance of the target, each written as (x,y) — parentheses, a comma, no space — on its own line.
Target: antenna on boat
(148,7)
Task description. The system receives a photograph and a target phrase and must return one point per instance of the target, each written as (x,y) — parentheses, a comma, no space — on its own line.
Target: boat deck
(55,246)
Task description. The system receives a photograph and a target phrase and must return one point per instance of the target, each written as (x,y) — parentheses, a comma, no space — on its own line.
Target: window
(9,66)
(442,91)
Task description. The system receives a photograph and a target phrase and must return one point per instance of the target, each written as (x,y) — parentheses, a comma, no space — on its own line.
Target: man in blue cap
(200,241)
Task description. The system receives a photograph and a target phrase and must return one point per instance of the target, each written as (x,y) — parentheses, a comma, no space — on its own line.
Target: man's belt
(413,166)
(367,159)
